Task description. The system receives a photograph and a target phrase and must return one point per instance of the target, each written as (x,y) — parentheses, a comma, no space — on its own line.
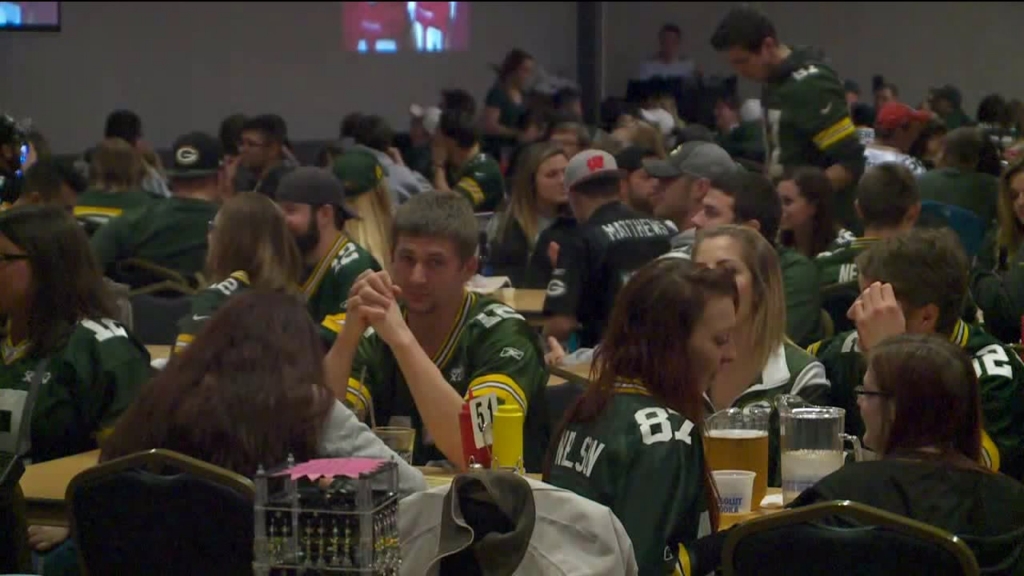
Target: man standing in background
(807,119)
(669,62)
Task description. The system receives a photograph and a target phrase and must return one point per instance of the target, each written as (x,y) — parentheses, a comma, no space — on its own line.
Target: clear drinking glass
(399,439)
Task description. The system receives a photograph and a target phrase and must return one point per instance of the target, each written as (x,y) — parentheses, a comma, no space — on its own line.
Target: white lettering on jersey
(847,272)
(496,313)
(556,288)
(805,72)
(851,344)
(627,229)
(348,254)
(773,119)
(992,360)
(104,329)
(589,452)
(655,426)
(227,287)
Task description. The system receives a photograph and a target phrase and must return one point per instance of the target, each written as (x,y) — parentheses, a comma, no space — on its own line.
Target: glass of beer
(811,442)
(737,439)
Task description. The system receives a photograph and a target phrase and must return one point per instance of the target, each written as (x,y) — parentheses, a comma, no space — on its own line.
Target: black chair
(14,551)
(156,319)
(836,300)
(998,555)
(145,277)
(817,540)
(160,512)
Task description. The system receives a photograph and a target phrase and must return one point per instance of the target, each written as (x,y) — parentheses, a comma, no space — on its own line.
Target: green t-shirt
(803,296)
(490,349)
(96,207)
(205,303)
(645,462)
(88,384)
(170,233)
(1000,380)
(839,266)
(481,182)
(326,287)
(789,370)
(510,114)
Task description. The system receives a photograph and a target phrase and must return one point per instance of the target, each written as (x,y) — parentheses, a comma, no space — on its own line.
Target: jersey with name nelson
(597,260)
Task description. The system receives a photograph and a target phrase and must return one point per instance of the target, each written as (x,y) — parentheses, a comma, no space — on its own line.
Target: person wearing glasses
(916,283)
(263,155)
(250,248)
(172,232)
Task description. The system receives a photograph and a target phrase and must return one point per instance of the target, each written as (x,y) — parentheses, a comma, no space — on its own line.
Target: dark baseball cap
(196,155)
(313,186)
(359,171)
(698,159)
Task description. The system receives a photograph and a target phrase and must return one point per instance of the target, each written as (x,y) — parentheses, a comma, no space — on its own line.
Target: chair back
(968,226)
(1003,554)
(145,277)
(876,542)
(160,512)
(157,318)
(836,300)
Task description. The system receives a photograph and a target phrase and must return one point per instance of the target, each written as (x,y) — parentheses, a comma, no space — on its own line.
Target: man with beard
(313,202)
(636,188)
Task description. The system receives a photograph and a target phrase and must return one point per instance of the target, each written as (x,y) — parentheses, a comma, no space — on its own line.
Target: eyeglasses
(12,257)
(860,391)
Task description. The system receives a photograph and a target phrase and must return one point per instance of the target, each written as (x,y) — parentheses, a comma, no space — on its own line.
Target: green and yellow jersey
(96,207)
(1000,379)
(205,303)
(481,182)
(839,266)
(645,462)
(327,286)
(489,349)
(803,296)
(87,385)
(789,370)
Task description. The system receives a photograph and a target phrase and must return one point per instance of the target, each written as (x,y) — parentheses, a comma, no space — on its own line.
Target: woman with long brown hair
(538,198)
(250,248)
(808,223)
(632,441)
(247,393)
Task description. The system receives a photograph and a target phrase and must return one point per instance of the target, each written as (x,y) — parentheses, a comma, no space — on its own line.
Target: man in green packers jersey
(807,121)
(313,202)
(172,232)
(476,175)
(430,342)
(888,204)
(917,283)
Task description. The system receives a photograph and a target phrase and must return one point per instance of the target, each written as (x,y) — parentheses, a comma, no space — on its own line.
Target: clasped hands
(877,314)
(373,301)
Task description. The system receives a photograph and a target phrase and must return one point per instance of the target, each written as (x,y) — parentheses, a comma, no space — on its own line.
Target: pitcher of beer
(811,443)
(737,439)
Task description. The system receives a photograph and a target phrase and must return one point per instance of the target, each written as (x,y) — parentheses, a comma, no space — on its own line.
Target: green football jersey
(803,296)
(489,349)
(789,370)
(1000,380)
(171,233)
(326,288)
(645,462)
(481,182)
(98,207)
(205,303)
(839,266)
(88,384)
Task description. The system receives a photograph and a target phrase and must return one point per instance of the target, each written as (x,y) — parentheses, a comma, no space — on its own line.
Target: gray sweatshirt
(346,437)
(403,182)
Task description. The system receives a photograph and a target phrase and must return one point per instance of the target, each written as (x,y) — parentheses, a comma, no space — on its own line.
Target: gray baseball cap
(589,165)
(313,186)
(698,159)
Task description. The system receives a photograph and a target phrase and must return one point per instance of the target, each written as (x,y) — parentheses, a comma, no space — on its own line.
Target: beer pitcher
(737,439)
(811,442)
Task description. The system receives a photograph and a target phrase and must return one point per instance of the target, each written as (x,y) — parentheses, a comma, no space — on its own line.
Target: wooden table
(159,352)
(730,520)
(44,486)
(528,302)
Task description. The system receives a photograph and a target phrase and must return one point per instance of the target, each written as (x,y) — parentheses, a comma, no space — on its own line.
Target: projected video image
(30,15)
(388,27)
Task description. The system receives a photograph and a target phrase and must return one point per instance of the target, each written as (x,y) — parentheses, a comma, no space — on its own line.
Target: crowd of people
(861,256)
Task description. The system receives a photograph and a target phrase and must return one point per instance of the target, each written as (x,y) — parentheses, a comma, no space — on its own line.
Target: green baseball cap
(359,171)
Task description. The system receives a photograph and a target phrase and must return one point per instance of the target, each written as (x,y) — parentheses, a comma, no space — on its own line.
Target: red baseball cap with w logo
(589,165)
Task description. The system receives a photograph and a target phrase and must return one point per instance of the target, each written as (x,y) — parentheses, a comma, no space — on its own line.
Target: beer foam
(737,434)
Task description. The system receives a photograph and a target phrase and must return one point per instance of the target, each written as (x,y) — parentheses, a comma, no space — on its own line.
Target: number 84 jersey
(645,462)
(1000,380)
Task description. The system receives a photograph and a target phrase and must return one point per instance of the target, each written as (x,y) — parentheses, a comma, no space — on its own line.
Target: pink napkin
(348,467)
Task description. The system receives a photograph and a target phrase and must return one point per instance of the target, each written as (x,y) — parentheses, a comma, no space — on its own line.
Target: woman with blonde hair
(767,362)
(538,198)
(116,171)
(997,282)
(643,134)
(250,248)
(366,193)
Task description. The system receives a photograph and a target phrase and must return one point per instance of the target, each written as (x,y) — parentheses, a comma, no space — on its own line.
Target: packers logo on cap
(378,172)
(186,156)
